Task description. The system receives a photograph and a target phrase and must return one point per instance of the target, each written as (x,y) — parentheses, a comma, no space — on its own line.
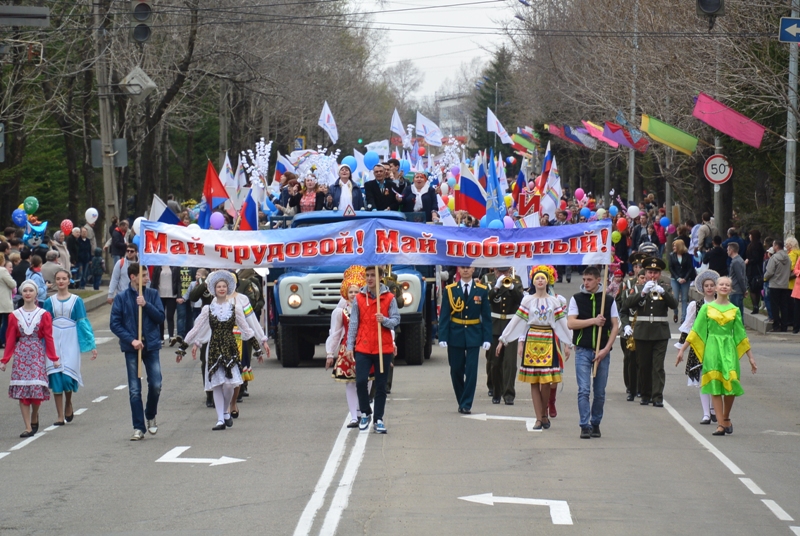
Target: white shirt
(573,308)
(465,288)
(346,197)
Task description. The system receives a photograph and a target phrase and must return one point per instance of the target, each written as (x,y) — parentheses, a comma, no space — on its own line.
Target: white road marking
(796,530)
(752,486)
(27,441)
(779,512)
(121,387)
(172,457)
(51,428)
(529,422)
(342,496)
(318,497)
(102,340)
(99,399)
(559,510)
(80,411)
(4,454)
(703,441)
(780,433)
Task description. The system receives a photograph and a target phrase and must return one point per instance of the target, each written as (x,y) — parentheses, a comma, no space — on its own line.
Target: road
(654,471)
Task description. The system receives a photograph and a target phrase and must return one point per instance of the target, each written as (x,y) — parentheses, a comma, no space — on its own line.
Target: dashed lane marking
(99,399)
(4,454)
(102,340)
(80,411)
(27,441)
(752,486)
(120,387)
(779,512)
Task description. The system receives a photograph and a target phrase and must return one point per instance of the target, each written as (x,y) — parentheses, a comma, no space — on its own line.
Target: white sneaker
(152,427)
(138,435)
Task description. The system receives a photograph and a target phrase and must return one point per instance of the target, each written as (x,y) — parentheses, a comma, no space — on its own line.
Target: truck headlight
(407,298)
(294,301)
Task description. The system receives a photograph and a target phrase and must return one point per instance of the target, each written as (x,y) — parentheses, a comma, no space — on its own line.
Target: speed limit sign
(717,169)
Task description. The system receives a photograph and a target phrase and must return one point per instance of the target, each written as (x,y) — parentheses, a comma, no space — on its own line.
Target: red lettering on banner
(310,249)
(560,247)
(155,242)
(223,250)
(196,248)
(327,247)
(408,244)
(241,253)
(177,248)
(507,249)
(524,250)
(491,247)
(427,244)
(574,245)
(276,253)
(293,250)
(455,248)
(589,243)
(541,248)
(259,252)
(344,244)
(386,241)
(474,249)
(360,239)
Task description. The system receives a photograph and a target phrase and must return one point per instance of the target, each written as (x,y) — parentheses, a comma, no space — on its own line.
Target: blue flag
(495,205)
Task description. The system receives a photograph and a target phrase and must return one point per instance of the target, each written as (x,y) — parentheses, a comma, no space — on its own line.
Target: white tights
(352,399)
(222,395)
(705,400)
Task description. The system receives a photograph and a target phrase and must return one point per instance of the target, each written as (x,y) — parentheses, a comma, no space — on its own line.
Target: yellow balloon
(451,204)
(509,200)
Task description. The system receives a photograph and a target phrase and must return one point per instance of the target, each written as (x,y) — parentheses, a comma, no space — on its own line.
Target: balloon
(421,151)
(405,165)
(511,160)
(563,205)
(455,170)
(351,162)
(671,229)
(445,188)
(579,194)
(371,159)
(31,205)
(616,236)
(66,227)
(193,227)
(664,222)
(613,210)
(622,224)
(508,222)
(137,225)
(509,200)
(451,182)
(445,199)
(586,213)
(136,241)
(19,217)
(217,220)
(483,222)
(451,204)
(496,224)
(592,214)
(633,211)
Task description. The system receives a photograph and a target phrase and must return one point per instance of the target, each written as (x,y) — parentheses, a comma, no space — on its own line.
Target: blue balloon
(351,162)
(405,165)
(19,217)
(613,210)
(136,241)
(586,213)
(483,221)
(451,182)
(664,222)
(592,214)
(371,159)
(496,224)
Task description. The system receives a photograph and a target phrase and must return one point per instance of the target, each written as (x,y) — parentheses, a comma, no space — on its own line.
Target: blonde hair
(680,245)
(730,281)
(791,243)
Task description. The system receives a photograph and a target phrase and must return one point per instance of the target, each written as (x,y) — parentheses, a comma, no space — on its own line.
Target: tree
(493,90)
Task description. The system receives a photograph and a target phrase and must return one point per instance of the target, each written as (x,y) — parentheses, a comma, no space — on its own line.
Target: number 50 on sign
(717,169)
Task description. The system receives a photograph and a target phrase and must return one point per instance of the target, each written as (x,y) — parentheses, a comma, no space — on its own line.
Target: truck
(305,297)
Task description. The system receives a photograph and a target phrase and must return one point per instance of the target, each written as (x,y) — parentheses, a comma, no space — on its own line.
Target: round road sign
(717,169)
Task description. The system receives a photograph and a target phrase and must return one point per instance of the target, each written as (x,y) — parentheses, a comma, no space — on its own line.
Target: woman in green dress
(719,340)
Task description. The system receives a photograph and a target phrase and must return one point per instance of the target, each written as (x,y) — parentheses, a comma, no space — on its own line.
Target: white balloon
(193,227)
(137,224)
(91,215)
(633,211)
(445,188)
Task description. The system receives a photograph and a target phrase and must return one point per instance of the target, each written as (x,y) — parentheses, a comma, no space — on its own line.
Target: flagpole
(139,366)
(378,309)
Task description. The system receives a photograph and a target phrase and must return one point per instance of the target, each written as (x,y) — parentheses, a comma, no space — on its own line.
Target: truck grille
(327,292)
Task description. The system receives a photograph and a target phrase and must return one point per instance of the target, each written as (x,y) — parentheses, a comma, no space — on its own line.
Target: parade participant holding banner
(72,334)
(144,337)
(541,322)
(465,326)
(651,303)
(505,297)
(368,347)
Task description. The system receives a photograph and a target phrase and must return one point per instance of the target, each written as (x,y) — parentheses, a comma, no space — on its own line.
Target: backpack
(708,242)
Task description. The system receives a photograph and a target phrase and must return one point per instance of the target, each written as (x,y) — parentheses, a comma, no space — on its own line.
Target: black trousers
(650,356)
(170,305)
(503,369)
(364,362)
(779,298)
(630,368)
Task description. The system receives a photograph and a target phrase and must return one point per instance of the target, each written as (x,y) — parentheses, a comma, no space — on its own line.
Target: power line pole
(631,152)
(106,128)
(791,136)
(717,150)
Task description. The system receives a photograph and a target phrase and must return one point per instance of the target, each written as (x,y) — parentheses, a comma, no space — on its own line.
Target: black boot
(209,399)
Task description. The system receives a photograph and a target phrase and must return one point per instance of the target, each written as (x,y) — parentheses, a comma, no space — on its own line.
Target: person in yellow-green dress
(719,340)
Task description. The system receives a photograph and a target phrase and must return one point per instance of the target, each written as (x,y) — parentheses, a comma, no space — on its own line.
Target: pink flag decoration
(621,135)
(557,131)
(728,121)
(596,131)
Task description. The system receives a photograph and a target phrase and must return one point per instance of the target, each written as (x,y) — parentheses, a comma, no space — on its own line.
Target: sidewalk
(755,322)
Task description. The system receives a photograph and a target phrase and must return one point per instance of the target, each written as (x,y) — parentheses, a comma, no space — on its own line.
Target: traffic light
(360,141)
(141,15)
(710,8)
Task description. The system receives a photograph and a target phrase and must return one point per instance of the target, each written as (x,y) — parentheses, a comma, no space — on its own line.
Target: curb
(98,300)
(755,322)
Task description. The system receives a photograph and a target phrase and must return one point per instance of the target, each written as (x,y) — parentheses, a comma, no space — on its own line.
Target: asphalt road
(654,471)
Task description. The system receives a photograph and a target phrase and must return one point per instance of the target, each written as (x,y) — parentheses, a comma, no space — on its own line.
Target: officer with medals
(465,326)
(504,298)
(651,304)
(630,368)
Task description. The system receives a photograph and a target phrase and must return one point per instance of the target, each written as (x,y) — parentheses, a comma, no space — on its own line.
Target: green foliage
(494,92)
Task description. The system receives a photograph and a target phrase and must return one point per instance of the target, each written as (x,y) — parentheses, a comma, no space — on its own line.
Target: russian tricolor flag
(213,189)
(159,211)
(472,194)
(249,214)
(282,165)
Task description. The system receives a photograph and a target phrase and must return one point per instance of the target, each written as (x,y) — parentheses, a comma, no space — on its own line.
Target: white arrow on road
(793,30)
(559,510)
(529,422)
(172,457)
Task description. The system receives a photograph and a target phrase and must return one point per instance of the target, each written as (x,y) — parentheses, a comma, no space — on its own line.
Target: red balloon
(622,224)
(563,205)
(445,199)
(66,227)
(421,151)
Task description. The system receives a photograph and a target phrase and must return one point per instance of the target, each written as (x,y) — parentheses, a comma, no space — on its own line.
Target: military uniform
(502,371)
(465,324)
(630,368)
(651,335)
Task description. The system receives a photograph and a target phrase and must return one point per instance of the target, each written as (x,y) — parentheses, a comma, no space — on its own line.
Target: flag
(636,134)
(582,135)
(621,135)
(501,174)
(559,132)
(415,152)
(493,125)
(429,130)
(282,165)
(397,125)
(249,213)
(495,204)
(596,131)
(213,189)
(327,122)
(226,173)
(203,215)
(551,195)
(159,211)
(728,121)
(472,194)
(480,171)
(520,184)
(547,164)
(240,177)
(531,220)
(380,147)
(669,135)
(444,213)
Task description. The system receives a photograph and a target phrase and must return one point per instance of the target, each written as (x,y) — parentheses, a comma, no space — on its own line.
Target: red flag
(728,121)
(213,190)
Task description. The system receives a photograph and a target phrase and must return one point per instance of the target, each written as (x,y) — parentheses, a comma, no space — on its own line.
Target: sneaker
(152,427)
(363,424)
(586,433)
(380,428)
(138,435)
(595,430)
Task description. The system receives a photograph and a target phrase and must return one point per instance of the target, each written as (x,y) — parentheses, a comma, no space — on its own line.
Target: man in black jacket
(716,257)
(382,193)
(118,244)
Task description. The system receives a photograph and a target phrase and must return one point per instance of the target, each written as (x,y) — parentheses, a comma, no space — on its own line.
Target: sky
(438,55)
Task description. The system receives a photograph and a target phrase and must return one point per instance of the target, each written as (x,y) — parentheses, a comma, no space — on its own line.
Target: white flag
(551,197)
(429,130)
(226,173)
(493,125)
(240,177)
(327,122)
(444,213)
(361,170)
(380,147)
(397,125)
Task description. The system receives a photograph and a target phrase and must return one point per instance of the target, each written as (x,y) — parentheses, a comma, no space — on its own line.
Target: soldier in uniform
(630,369)
(465,326)
(504,298)
(651,303)
(250,285)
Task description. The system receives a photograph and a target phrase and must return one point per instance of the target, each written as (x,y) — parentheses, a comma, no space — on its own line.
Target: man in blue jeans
(124,324)
(588,322)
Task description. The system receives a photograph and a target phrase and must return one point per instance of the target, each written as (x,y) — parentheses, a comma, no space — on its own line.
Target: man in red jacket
(362,339)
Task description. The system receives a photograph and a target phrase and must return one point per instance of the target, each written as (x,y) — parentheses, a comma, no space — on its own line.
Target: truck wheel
(307,350)
(414,343)
(289,347)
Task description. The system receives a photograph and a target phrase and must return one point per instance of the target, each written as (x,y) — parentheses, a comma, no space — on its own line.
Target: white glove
(627,331)
(648,287)
(659,289)
(486,345)
(443,344)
